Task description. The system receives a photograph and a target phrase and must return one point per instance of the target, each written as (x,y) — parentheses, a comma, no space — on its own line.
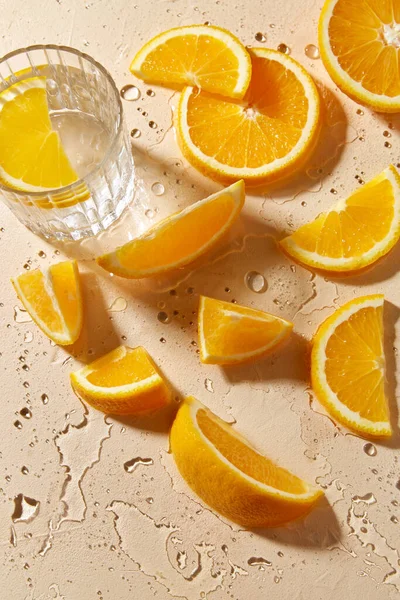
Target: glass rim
(82,180)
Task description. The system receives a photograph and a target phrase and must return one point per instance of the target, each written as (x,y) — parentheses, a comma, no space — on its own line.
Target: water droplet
(387,145)
(135,133)
(255,282)
(24,470)
(398,484)
(163,340)
(153,124)
(26,266)
(163,317)
(193,343)
(387,133)
(134,463)
(25,384)
(45,398)
(25,367)
(118,305)
(173,293)
(150,500)
(25,412)
(260,37)
(283,48)
(25,509)
(359,111)
(293,268)
(161,304)
(130,92)
(18,424)
(311,51)
(28,337)
(21,315)
(277,579)
(227,290)
(368,499)
(255,561)
(304,203)
(207,22)
(150,93)
(42,254)
(370,449)
(333,191)
(280,553)
(144,114)
(208,384)
(394,519)
(157,188)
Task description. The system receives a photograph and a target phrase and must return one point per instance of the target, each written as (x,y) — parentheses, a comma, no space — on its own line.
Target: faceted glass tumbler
(85,107)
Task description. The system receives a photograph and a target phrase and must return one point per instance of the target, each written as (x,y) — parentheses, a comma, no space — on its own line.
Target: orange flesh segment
(269,126)
(356,31)
(178,238)
(246,459)
(199,58)
(33,288)
(243,332)
(133,367)
(355,229)
(65,282)
(355,364)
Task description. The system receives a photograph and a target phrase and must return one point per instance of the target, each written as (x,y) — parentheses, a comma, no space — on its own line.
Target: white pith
(347,81)
(319,360)
(279,163)
(313,258)
(194,407)
(220,34)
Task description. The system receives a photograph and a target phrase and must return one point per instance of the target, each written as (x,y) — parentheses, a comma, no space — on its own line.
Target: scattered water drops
(163,317)
(359,111)
(161,304)
(208,384)
(25,384)
(293,268)
(394,519)
(118,305)
(25,367)
(150,500)
(26,266)
(370,449)
(283,48)
(387,133)
(398,484)
(163,340)
(150,93)
(21,315)
(28,337)
(130,92)
(304,203)
(25,412)
(255,282)
(45,398)
(153,124)
(24,470)
(387,145)
(227,290)
(149,213)
(18,424)
(311,51)
(260,37)
(333,191)
(190,290)
(367,499)
(136,133)
(144,114)
(272,25)
(25,509)
(157,188)
(134,463)
(259,561)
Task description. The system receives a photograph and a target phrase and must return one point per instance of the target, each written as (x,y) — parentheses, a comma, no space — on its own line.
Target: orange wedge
(53,300)
(348,366)
(225,471)
(266,137)
(356,232)
(124,381)
(209,58)
(232,334)
(359,42)
(178,240)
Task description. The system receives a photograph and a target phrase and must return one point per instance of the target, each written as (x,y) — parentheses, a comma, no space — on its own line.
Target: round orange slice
(207,57)
(348,366)
(53,300)
(178,240)
(232,334)
(267,136)
(356,232)
(124,381)
(359,42)
(225,471)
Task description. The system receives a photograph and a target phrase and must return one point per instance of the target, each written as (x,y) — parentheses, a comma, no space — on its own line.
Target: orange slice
(227,473)
(360,46)
(266,137)
(53,300)
(209,58)
(348,366)
(231,334)
(124,381)
(356,232)
(178,240)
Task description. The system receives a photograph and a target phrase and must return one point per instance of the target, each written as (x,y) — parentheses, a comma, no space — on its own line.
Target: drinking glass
(85,108)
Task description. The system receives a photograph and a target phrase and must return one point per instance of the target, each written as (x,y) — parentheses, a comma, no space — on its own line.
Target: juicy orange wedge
(124,381)
(209,58)
(348,366)
(360,47)
(178,240)
(225,471)
(53,300)
(231,334)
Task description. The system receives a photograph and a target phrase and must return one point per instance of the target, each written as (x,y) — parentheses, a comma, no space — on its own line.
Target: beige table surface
(91,530)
